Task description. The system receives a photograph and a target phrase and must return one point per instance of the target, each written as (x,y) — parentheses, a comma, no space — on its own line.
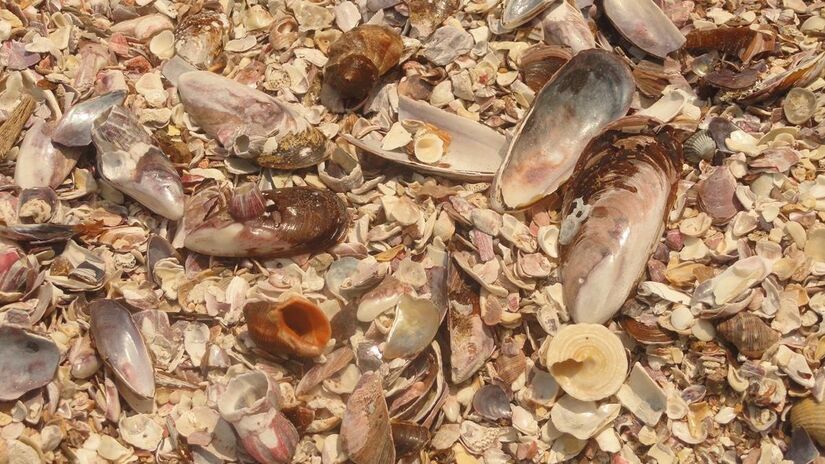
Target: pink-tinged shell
(628,180)
(806,69)
(250,404)
(28,361)
(716,195)
(563,24)
(585,95)
(336,361)
(40,163)
(366,436)
(300,220)
(75,127)
(121,346)
(644,25)
(471,342)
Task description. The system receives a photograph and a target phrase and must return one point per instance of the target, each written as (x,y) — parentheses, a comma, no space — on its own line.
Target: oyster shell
(644,25)
(28,360)
(799,105)
(587,360)
(200,37)
(624,185)
(549,140)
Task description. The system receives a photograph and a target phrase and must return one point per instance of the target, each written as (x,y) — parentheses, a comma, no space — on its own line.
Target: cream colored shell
(588,361)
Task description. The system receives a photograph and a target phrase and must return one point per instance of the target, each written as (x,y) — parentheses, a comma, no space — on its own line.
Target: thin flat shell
(518,12)
(28,361)
(645,25)
(585,95)
(475,150)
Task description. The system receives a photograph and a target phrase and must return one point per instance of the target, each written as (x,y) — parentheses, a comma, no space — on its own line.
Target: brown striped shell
(748,333)
(359,57)
(809,414)
(540,62)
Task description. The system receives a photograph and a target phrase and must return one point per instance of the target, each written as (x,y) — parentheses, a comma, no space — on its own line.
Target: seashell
(716,195)
(40,163)
(342,172)
(699,146)
(299,220)
(538,161)
(587,360)
(129,159)
(409,438)
(807,68)
(74,129)
(742,41)
(667,107)
(359,57)
(283,32)
(121,346)
(200,37)
(799,105)
(720,129)
(13,125)
(29,361)
(426,16)
(729,79)
(802,447)
(295,326)
(239,117)
(335,361)
(414,327)
(143,28)
(647,333)
(813,25)
(474,152)
(809,415)
(582,419)
(471,342)
(748,333)
(642,396)
(247,202)
(599,265)
(737,278)
(492,403)
(540,63)
(645,25)
(517,12)
(250,404)
(428,147)
(140,431)
(366,434)
(163,45)
(37,205)
(563,24)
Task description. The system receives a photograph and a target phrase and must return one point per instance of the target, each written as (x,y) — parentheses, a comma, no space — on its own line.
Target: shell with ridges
(699,146)
(749,333)
(809,414)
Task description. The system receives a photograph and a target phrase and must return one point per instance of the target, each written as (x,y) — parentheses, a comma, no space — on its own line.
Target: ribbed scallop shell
(699,146)
(588,361)
(810,415)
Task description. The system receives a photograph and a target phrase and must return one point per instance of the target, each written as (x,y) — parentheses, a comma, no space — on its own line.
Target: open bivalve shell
(644,25)
(27,360)
(518,12)
(582,419)
(590,91)
(414,327)
(588,361)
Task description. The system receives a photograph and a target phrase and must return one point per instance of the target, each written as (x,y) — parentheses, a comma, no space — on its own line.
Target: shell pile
(412,231)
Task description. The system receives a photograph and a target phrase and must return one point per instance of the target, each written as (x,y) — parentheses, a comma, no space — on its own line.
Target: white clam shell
(415,325)
(428,147)
(582,419)
(588,361)
(642,396)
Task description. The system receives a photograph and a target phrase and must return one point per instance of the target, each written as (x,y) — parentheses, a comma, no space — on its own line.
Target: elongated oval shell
(366,435)
(27,360)
(75,127)
(645,25)
(41,163)
(471,342)
(588,361)
(749,333)
(518,12)
(809,414)
(359,57)
(627,181)
(296,327)
(590,91)
(121,346)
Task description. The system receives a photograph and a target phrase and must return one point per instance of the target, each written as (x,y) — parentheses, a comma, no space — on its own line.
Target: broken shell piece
(250,404)
(799,105)
(582,419)
(40,163)
(29,361)
(642,396)
(739,277)
(474,152)
(587,360)
(644,24)
(121,346)
(359,57)
(296,326)
(540,63)
(75,127)
(414,327)
(563,24)
(538,160)
(749,333)
(627,181)
(518,12)
(426,15)
(200,37)
(809,415)
(366,435)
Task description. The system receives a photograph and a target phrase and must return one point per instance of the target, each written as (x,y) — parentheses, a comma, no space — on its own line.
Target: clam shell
(518,12)
(588,361)
(492,403)
(75,127)
(296,326)
(41,163)
(121,346)
(366,435)
(540,63)
(808,67)
(616,204)
(644,25)
(716,195)
(28,360)
(699,146)
(809,415)
(474,152)
(595,88)
(799,105)
(749,333)
(414,327)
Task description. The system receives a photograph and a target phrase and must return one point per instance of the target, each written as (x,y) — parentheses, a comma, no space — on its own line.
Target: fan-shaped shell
(809,414)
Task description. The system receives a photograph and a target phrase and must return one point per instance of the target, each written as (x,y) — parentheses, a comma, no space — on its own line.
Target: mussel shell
(409,438)
(366,435)
(296,150)
(518,12)
(492,403)
(121,346)
(28,361)
(645,25)
(75,127)
(296,327)
(540,63)
(586,94)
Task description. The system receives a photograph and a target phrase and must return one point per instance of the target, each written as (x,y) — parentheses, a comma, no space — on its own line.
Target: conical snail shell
(359,57)
(750,334)
(297,326)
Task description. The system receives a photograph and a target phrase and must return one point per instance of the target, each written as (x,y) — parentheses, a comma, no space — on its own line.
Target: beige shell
(810,415)
(750,334)
(588,361)
(799,105)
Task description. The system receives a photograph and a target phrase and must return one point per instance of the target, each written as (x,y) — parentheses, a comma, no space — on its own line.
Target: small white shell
(163,45)
(582,419)
(428,147)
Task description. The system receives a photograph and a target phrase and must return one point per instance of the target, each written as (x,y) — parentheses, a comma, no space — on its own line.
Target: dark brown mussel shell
(540,62)
(409,438)
(295,327)
(359,57)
